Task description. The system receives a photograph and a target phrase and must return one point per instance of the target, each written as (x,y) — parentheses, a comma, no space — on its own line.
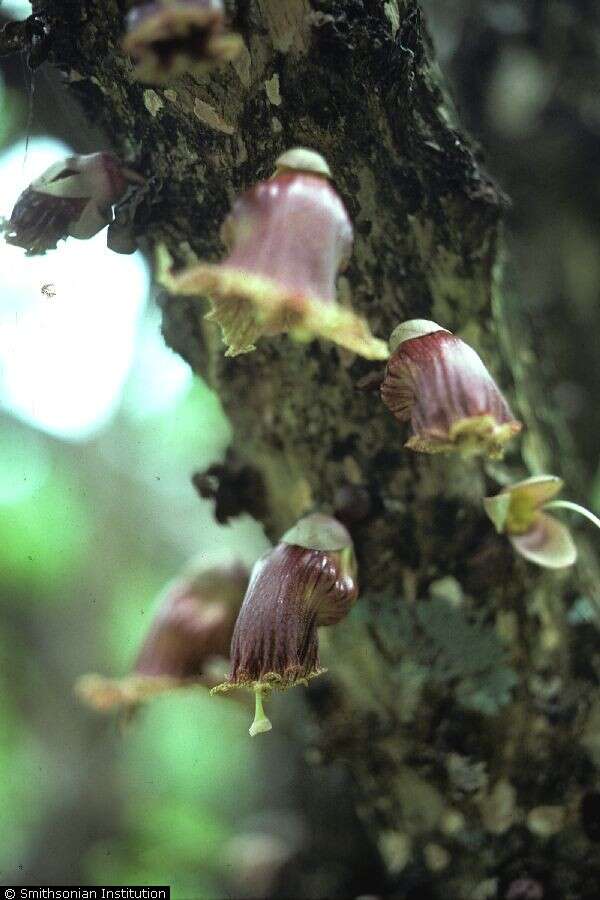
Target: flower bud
(72,198)
(307,580)
(167,38)
(193,625)
(288,238)
(439,384)
(517,512)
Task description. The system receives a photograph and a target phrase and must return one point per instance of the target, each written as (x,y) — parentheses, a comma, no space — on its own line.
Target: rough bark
(459,695)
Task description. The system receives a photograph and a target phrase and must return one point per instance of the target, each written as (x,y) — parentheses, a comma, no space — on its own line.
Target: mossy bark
(450,752)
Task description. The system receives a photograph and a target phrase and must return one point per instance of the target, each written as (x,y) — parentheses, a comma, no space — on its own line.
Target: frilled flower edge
(263,687)
(248,306)
(105,694)
(477,434)
(270,681)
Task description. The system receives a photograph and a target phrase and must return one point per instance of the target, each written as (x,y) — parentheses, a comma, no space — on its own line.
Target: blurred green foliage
(89,534)
(43,536)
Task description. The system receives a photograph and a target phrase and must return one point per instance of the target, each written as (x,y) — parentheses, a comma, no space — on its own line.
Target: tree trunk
(458,693)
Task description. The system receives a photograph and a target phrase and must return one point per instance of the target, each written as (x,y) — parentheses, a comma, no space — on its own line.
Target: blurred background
(101,428)
(525,75)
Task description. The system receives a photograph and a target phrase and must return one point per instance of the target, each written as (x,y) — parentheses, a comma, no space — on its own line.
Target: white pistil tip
(261,723)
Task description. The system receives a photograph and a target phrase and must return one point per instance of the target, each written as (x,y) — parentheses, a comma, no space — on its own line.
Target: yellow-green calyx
(301,159)
(514,509)
(519,512)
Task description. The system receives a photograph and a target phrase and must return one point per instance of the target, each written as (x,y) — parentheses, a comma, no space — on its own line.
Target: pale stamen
(261,722)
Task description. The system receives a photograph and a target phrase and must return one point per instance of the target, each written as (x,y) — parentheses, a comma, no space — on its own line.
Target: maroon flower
(439,384)
(72,198)
(288,239)
(166,38)
(193,625)
(307,580)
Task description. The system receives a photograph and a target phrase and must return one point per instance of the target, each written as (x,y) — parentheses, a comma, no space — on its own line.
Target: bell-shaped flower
(192,628)
(288,238)
(307,580)
(73,198)
(439,384)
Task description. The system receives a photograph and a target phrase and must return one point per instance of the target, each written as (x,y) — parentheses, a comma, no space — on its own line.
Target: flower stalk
(574,507)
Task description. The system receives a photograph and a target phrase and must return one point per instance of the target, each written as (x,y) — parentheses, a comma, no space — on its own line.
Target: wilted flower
(288,238)
(72,198)
(517,511)
(307,580)
(439,384)
(166,38)
(193,626)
